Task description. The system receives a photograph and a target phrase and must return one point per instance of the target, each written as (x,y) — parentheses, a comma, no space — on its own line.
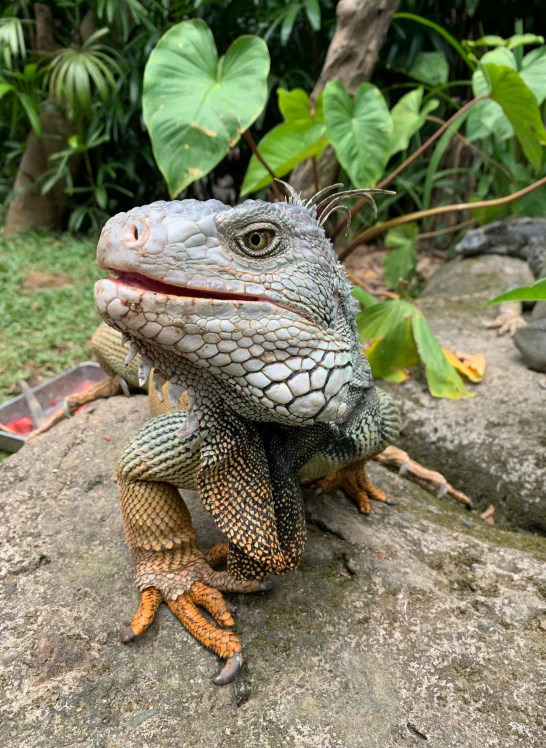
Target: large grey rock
(420,625)
(492,446)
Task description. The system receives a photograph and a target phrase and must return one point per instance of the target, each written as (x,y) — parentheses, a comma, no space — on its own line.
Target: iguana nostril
(134,230)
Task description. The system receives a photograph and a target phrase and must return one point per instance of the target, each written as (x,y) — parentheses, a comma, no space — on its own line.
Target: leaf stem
(254,148)
(399,169)
(372,231)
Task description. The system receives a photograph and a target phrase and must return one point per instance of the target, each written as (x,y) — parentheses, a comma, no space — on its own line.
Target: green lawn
(47,313)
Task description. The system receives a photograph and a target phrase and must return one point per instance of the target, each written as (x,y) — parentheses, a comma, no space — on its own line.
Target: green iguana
(242,318)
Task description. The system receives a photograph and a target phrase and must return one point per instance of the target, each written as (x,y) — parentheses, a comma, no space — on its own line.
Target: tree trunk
(30,209)
(352,54)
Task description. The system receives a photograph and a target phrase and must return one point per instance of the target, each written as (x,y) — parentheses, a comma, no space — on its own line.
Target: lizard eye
(257,240)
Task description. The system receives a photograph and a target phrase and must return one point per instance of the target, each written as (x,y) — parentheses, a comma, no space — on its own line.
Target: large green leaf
(299,137)
(195,105)
(408,118)
(501,56)
(398,336)
(400,263)
(283,148)
(431,68)
(387,329)
(295,106)
(360,131)
(533,72)
(487,117)
(443,380)
(520,107)
(534,292)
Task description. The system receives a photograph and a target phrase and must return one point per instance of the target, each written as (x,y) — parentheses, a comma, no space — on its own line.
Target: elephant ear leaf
(408,118)
(196,105)
(360,131)
(302,135)
(520,107)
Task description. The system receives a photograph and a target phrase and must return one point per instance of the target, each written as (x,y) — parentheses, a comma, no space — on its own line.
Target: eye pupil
(255,239)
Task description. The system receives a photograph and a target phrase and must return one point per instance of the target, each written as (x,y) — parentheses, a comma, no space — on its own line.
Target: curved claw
(230,670)
(124,387)
(126,634)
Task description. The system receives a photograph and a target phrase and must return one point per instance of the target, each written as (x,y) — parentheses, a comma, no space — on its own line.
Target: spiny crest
(325,204)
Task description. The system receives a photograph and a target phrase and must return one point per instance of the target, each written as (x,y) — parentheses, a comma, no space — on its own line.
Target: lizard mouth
(145,283)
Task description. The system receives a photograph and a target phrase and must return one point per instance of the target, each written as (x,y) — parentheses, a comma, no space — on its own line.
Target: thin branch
(447,229)
(372,231)
(399,169)
(254,148)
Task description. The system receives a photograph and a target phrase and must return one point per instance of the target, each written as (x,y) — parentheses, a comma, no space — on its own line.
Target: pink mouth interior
(136,280)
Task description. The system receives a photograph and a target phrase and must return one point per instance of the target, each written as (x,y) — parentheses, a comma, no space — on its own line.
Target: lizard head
(253,295)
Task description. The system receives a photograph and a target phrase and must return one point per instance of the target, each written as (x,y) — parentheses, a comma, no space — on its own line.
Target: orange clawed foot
(355,482)
(205,594)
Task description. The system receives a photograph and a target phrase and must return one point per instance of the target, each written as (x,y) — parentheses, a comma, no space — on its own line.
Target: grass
(46,306)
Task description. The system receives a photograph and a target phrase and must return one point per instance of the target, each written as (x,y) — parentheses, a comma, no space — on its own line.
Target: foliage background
(119,167)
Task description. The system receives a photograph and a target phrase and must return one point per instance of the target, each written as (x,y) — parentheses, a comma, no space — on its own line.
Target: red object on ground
(85,385)
(25,425)
(21,426)
(106,438)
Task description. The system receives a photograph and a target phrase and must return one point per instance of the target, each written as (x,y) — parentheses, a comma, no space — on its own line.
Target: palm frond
(75,72)
(12,40)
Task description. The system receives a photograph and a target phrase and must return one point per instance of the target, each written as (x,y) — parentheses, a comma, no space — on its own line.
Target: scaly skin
(248,311)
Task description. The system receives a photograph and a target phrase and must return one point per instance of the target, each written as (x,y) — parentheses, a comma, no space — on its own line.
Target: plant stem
(372,231)
(254,148)
(447,229)
(399,169)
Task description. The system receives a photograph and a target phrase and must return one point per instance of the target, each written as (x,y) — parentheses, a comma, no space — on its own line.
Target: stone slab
(491,446)
(417,626)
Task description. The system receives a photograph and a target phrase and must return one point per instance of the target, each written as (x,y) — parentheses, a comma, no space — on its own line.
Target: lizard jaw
(148,284)
(270,356)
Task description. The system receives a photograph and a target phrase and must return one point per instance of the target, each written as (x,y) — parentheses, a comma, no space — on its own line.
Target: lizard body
(524,238)
(243,321)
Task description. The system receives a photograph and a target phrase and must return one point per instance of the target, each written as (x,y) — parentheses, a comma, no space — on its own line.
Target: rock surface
(492,446)
(417,626)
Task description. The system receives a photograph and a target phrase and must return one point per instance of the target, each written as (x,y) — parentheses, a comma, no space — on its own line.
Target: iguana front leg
(354,481)
(170,566)
(341,464)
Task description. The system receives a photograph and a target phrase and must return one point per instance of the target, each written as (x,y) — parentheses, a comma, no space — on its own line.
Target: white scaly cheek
(336,410)
(103,295)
